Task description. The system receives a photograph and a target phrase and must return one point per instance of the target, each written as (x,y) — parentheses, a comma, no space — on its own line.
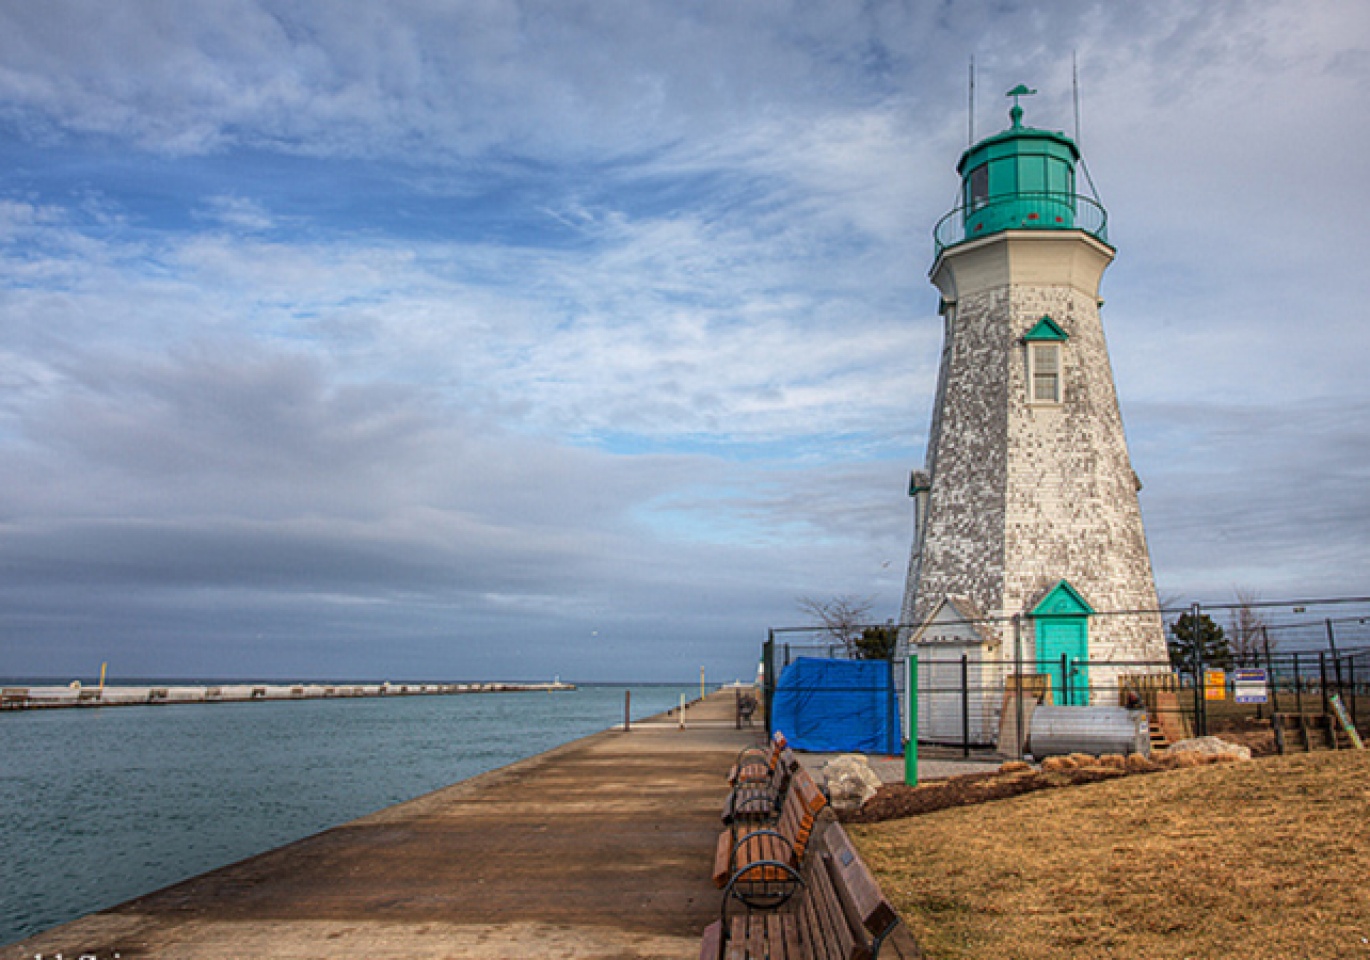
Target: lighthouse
(1027,504)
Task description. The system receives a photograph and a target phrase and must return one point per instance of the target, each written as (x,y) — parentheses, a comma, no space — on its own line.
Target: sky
(509,339)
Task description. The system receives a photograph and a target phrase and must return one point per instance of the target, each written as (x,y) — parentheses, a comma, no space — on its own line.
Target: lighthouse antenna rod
(970,110)
(1075,88)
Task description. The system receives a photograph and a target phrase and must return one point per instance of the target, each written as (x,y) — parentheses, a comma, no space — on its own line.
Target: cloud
(237,212)
(1264,497)
(456,331)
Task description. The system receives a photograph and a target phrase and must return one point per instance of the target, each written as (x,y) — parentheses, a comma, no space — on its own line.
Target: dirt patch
(896,801)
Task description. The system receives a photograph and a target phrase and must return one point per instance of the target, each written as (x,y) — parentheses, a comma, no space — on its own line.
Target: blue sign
(1249,685)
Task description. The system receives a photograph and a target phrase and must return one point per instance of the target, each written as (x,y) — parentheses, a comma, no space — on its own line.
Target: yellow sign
(1215,685)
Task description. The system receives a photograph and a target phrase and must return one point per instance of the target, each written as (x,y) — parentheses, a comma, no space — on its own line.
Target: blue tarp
(837,706)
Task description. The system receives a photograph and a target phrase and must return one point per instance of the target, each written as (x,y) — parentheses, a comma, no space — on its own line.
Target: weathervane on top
(1016,114)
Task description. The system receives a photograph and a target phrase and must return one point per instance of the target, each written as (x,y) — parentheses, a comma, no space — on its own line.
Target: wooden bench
(760,866)
(754,764)
(753,802)
(840,914)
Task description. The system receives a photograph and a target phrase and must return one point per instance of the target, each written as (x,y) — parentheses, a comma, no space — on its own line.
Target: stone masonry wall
(1024,495)
(963,543)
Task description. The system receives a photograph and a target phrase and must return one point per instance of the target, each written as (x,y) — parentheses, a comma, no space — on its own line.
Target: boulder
(850,782)
(1210,747)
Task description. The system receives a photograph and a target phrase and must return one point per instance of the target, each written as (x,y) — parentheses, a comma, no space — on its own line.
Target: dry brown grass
(1267,860)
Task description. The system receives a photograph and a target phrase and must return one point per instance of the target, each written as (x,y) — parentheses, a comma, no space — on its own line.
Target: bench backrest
(803,803)
(860,892)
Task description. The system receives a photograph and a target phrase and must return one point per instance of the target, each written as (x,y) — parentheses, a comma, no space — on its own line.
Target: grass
(1267,860)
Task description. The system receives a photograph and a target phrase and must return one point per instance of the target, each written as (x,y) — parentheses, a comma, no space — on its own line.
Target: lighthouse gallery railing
(1022,211)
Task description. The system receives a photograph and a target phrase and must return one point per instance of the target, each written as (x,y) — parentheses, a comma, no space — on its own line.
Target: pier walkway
(600,848)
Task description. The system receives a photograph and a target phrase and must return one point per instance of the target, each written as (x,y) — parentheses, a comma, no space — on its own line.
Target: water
(101,805)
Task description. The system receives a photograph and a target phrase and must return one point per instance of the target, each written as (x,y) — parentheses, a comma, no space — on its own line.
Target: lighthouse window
(977,187)
(1044,371)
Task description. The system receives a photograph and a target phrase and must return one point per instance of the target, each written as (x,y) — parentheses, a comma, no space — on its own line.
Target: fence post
(1270,665)
(893,705)
(1322,680)
(1018,675)
(1200,693)
(965,705)
(768,679)
(1351,670)
(627,710)
(1336,659)
(911,719)
(1298,685)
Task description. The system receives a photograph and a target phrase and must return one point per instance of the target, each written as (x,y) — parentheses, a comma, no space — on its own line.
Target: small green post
(911,718)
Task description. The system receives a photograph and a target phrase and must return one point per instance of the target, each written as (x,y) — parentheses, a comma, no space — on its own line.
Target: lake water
(101,805)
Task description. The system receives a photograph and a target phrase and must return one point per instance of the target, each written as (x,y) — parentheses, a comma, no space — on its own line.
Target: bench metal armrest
(775,893)
(879,941)
(758,754)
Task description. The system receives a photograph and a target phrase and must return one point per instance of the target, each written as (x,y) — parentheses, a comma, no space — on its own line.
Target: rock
(1015,766)
(1210,747)
(1057,764)
(850,782)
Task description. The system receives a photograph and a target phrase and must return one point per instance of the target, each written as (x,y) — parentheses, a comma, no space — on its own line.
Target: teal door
(1063,644)
(1063,655)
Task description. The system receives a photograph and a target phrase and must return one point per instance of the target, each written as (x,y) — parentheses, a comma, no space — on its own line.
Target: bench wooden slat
(711,948)
(807,931)
(737,938)
(791,939)
(775,937)
(835,916)
(757,936)
(812,932)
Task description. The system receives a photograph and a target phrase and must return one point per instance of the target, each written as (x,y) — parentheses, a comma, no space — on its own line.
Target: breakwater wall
(75,695)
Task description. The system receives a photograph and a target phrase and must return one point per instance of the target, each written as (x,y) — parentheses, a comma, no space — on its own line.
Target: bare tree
(1246,630)
(1171,601)
(840,618)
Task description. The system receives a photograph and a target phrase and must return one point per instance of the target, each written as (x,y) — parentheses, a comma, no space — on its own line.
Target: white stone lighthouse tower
(1028,501)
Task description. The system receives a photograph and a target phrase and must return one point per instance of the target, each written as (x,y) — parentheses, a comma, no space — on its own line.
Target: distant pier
(75,695)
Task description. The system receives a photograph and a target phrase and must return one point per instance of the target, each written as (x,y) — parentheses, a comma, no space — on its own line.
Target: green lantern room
(1020,179)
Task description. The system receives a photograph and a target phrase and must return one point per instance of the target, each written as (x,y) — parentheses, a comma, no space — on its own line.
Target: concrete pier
(601,848)
(75,695)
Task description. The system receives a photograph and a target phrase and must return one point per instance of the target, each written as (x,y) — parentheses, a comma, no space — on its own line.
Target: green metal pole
(911,723)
